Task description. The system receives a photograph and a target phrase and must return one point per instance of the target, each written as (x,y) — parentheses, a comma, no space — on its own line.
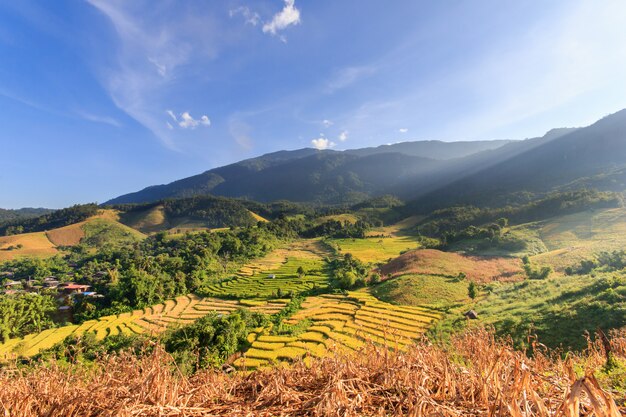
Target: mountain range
(424,172)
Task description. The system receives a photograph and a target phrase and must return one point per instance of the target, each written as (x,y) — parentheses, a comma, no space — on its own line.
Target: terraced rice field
(152,320)
(376,249)
(256,282)
(340,322)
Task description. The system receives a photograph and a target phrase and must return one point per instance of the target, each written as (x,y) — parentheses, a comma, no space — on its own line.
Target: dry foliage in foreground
(475,375)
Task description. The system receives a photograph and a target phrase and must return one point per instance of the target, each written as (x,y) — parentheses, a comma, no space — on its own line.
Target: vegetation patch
(453,265)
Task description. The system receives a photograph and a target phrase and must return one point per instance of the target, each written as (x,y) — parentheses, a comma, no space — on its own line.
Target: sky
(103,97)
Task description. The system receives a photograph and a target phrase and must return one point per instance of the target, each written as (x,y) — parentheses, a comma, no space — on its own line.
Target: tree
(301,272)
(472,291)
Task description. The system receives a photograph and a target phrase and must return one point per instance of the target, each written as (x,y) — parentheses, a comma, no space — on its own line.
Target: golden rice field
(340,322)
(152,320)
(375,249)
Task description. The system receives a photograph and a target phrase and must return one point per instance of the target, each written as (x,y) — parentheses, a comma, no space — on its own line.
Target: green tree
(472,290)
(301,272)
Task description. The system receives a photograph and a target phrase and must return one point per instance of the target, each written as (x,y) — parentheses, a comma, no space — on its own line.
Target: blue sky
(103,97)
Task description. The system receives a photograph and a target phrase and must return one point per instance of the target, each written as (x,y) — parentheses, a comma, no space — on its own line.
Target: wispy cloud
(154,48)
(327,123)
(322,143)
(347,76)
(288,16)
(250,17)
(403,130)
(343,136)
(99,119)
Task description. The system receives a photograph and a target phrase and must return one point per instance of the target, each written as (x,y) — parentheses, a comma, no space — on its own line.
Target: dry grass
(33,244)
(475,376)
(435,262)
(68,235)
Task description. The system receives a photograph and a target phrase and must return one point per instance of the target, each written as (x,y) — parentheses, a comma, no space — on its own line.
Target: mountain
(429,173)
(434,149)
(310,175)
(594,156)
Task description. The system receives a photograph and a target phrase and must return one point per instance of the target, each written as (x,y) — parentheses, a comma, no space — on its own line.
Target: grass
(450,264)
(415,290)
(33,245)
(101,231)
(570,239)
(346,217)
(97,230)
(147,221)
(559,310)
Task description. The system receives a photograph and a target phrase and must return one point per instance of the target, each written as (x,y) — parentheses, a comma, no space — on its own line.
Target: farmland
(375,249)
(380,244)
(32,244)
(152,320)
(572,238)
(95,231)
(450,264)
(339,322)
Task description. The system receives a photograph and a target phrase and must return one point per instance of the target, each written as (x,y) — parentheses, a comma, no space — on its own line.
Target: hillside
(591,156)
(436,174)
(100,229)
(200,212)
(311,175)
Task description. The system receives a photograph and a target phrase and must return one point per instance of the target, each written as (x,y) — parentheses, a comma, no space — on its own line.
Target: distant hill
(309,175)
(9,215)
(51,220)
(200,212)
(429,174)
(594,156)
(433,149)
(99,229)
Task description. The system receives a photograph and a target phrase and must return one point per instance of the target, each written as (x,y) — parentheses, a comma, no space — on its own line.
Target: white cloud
(249,16)
(343,136)
(327,123)
(288,16)
(322,143)
(403,130)
(188,122)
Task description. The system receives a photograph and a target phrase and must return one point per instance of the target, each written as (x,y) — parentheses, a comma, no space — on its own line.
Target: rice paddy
(375,249)
(273,283)
(339,322)
(276,274)
(152,320)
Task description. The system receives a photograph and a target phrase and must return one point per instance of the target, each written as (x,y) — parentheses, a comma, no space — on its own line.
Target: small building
(74,288)
(11,284)
(271,276)
(472,315)
(51,284)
